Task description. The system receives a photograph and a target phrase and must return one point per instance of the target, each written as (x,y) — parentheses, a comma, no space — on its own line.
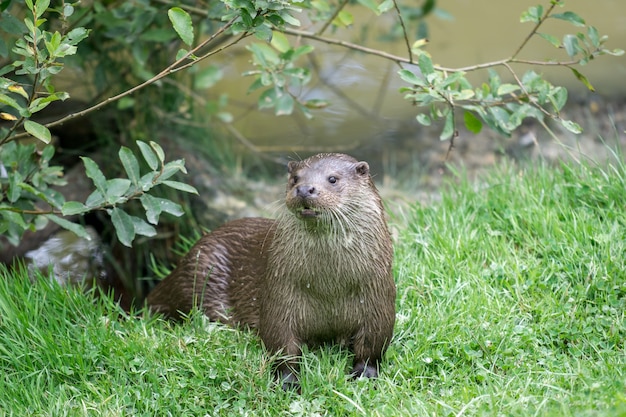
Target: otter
(320,272)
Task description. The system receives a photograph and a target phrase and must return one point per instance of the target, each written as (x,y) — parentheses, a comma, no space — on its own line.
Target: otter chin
(320,272)
(308,213)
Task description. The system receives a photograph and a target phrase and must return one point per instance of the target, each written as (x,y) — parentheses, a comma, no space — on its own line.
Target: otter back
(219,275)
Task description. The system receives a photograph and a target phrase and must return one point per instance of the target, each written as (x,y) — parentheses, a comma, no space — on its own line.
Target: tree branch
(402,60)
(406,36)
(165,72)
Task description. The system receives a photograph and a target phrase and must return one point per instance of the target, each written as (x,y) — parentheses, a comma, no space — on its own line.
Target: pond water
(368,114)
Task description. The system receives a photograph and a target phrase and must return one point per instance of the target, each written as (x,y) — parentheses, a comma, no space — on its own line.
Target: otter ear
(362,168)
(291,166)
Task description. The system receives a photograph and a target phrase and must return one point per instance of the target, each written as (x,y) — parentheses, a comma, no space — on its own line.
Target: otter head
(327,187)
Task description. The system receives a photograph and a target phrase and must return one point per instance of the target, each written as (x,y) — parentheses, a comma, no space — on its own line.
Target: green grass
(511,301)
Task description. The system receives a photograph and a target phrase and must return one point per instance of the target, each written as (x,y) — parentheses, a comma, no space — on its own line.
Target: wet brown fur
(320,272)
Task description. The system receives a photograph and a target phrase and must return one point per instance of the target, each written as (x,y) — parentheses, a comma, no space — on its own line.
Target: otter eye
(332,179)
(295,179)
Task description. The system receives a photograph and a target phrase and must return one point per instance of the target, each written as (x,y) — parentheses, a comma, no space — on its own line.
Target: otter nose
(306,191)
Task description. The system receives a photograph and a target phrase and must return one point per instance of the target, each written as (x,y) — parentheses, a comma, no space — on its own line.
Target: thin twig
(7,138)
(532,32)
(406,35)
(191,9)
(33,212)
(345,44)
(213,52)
(330,19)
(176,66)
(403,60)
(521,84)
(165,72)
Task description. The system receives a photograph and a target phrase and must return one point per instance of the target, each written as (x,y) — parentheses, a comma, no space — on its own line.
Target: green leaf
(570,43)
(594,37)
(75,228)
(582,79)
(52,197)
(571,126)
(160,35)
(142,228)
(533,14)
(68,10)
(225,117)
(301,50)
(448,127)
(53,43)
(343,19)
(370,4)
(148,155)
(42,102)
(76,35)
(172,168)
(181,186)
(130,164)
(47,153)
(115,190)
(263,55)
(4,99)
(424,119)
(11,24)
(14,191)
(246,18)
(15,88)
(207,77)
(40,8)
(280,42)
(152,207)
(289,18)
(13,217)
(385,6)
(556,42)
(170,207)
(181,53)
(321,6)
(571,17)
(181,21)
(425,64)
(315,103)
(73,207)
(125,103)
(124,227)
(614,52)
(501,118)
(93,171)
(558,97)
(158,150)
(37,130)
(95,200)
(267,99)
(411,78)
(263,33)
(149,180)
(284,105)
(505,89)
(472,123)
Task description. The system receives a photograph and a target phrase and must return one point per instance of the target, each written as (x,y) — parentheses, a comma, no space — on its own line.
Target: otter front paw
(364,369)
